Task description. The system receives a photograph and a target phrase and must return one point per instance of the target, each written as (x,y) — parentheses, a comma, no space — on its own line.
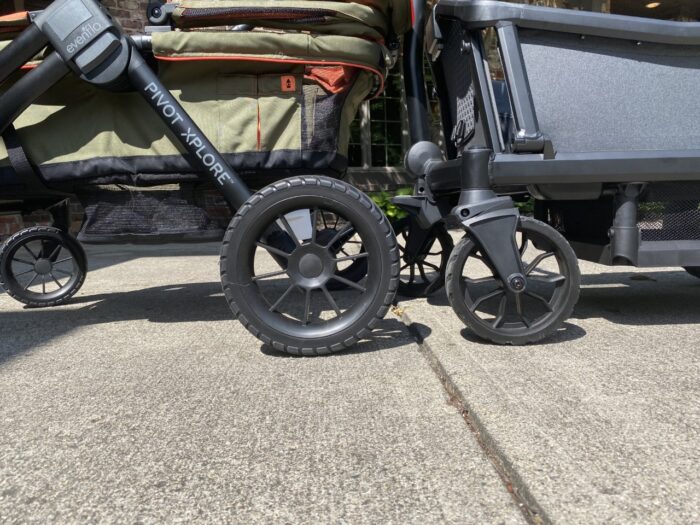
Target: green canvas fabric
(76,131)
(262,45)
(366,18)
(336,18)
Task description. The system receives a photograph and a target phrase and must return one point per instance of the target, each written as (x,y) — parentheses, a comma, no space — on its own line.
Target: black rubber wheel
(693,270)
(42,266)
(423,274)
(275,277)
(481,301)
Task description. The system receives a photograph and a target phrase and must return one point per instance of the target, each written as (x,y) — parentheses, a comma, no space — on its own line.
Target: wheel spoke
(342,233)
(64,260)
(56,280)
(404,267)
(524,245)
(288,229)
(537,261)
(59,270)
(268,275)
(412,277)
(43,285)
(538,297)
(330,299)
(431,265)
(56,251)
(25,272)
(282,298)
(362,255)
(30,252)
(481,300)
(31,282)
(501,316)
(519,309)
(349,283)
(314,219)
(555,279)
(481,280)
(421,270)
(15,259)
(307,306)
(272,249)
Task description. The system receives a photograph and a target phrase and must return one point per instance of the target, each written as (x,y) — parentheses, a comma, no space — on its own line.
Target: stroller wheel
(482,302)
(424,273)
(693,270)
(277,264)
(42,266)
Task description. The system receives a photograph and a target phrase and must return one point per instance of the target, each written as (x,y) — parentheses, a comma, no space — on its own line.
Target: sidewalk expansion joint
(513,483)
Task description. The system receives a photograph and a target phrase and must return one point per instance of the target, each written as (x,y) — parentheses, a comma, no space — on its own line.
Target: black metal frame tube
(30,87)
(21,50)
(202,152)
(485,97)
(414,78)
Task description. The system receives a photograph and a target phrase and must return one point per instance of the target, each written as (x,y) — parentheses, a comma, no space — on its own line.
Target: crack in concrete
(512,482)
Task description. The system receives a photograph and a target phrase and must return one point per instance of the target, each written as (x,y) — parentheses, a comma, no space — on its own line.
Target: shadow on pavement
(197,302)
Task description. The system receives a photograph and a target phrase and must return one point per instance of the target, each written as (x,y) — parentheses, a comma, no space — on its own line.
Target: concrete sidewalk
(601,424)
(142,401)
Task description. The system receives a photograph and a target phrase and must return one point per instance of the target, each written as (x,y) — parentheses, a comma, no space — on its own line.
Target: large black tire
(309,266)
(42,256)
(487,295)
(693,270)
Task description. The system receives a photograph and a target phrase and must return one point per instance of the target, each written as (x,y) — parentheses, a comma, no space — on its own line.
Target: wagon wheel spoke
(431,265)
(332,302)
(519,309)
(482,280)
(412,276)
(421,269)
(555,279)
(279,301)
(31,282)
(272,250)
(268,275)
(24,272)
(314,219)
(537,261)
(307,306)
(539,298)
(362,255)
(404,267)
(64,260)
(481,300)
(59,270)
(55,280)
(54,254)
(501,315)
(288,230)
(349,283)
(15,259)
(30,252)
(340,234)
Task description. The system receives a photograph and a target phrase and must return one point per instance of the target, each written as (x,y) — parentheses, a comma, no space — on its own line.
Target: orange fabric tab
(288,83)
(20,18)
(334,79)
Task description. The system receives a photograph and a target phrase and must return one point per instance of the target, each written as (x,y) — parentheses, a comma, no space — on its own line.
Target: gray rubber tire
(243,295)
(561,311)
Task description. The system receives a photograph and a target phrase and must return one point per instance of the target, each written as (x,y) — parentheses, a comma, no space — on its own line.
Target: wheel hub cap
(43,266)
(311,266)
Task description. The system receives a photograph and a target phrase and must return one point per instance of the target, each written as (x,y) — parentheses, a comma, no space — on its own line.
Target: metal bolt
(464,212)
(517,284)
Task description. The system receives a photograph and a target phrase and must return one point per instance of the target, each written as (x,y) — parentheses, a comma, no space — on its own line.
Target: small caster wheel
(281,289)
(693,270)
(423,274)
(42,266)
(493,313)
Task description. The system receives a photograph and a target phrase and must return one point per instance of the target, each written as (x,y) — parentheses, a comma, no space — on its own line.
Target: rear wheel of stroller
(693,270)
(276,265)
(483,303)
(424,273)
(42,266)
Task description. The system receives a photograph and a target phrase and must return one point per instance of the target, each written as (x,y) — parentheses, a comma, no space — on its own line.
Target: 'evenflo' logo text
(87,32)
